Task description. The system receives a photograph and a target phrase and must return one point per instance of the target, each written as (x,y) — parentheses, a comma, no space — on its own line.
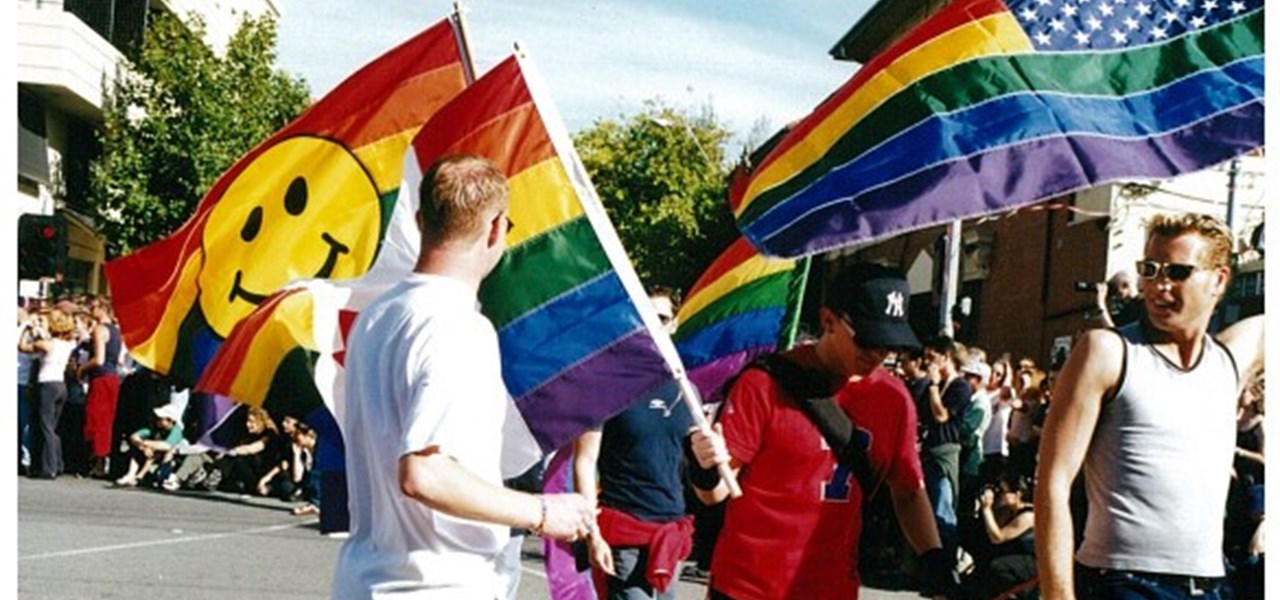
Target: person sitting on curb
(151,446)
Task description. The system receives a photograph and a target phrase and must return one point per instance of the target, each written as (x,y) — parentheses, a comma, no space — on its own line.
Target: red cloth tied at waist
(668,544)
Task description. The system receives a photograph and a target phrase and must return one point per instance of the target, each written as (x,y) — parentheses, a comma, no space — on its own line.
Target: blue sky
(756,63)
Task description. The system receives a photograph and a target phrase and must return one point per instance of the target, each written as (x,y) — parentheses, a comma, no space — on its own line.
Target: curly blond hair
(61,324)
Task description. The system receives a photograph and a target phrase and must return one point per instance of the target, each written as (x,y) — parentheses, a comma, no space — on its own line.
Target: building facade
(68,53)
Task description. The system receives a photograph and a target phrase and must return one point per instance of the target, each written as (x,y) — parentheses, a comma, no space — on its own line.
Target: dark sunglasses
(1150,269)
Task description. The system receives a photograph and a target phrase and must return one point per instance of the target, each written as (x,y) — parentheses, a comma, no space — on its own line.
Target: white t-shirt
(423,370)
(53,365)
(996,439)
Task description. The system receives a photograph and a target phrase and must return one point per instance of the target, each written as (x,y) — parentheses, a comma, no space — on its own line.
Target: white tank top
(53,364)
(1159,464)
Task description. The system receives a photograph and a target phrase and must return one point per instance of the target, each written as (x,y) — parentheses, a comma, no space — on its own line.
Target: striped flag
(311,201)
(580,340)
(578,337)
(993,104)
(744,305)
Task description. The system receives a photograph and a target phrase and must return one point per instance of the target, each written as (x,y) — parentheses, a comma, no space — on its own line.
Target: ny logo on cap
(894,308)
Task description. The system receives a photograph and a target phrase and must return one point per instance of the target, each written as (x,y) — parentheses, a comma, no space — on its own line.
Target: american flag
(1091,25)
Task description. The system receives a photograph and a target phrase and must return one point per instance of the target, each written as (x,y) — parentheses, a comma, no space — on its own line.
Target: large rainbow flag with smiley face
(313,200)
(579,339)
(994,104)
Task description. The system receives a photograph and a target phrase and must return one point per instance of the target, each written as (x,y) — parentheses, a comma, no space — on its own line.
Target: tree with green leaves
(663,179)
(179,117)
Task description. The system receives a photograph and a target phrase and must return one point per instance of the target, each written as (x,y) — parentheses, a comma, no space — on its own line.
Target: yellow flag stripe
(289,327)
(542,198)
(756,267)
(157,351)
(994,35)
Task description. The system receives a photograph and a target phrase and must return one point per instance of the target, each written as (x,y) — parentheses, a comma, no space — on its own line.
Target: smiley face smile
(335,248)
(304,208)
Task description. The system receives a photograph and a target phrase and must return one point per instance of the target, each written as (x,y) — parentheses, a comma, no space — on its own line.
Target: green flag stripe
(981,80)
(542,269)
(766,292)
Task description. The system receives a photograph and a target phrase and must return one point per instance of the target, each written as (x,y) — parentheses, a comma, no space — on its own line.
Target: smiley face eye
(252,225)
(295,199)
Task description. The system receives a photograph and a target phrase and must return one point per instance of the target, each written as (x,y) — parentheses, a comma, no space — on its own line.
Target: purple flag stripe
(214,409)
(1013,176)
(709,378)
(594,390)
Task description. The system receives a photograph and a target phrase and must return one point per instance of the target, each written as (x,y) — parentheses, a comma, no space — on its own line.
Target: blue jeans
(1108,584)
(24,426)
(941,466)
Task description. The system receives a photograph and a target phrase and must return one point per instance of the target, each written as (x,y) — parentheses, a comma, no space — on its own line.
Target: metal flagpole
(464,42)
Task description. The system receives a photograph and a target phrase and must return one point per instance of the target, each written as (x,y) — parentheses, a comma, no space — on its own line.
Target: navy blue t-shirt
(641,450)
(955,398)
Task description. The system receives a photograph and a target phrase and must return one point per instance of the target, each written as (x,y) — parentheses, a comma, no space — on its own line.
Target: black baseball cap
(874,298)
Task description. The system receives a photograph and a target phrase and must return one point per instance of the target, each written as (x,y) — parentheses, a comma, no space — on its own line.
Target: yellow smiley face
(305,208)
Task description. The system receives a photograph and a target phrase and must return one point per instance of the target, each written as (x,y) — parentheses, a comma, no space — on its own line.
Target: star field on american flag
(1066,25)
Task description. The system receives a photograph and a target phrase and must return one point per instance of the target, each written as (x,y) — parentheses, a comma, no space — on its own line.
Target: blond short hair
(1213,230)
(61,324)
(459,193)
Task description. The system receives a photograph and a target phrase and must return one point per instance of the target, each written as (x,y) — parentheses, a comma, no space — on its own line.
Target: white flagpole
(612,245)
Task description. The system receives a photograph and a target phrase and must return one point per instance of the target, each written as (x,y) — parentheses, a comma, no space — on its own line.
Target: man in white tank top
(1148,411)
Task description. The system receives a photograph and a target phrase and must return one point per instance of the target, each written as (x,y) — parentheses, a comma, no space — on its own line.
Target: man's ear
(497,226)
(827,319)
(1222,282)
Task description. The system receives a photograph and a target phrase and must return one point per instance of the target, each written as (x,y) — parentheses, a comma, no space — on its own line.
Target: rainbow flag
(312,201)
(744,305)
(992,104)
(579,339)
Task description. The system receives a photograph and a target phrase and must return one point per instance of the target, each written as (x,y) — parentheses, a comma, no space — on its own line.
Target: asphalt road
(82,539)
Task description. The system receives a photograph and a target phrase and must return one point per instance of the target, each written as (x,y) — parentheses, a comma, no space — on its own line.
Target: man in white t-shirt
(425,412)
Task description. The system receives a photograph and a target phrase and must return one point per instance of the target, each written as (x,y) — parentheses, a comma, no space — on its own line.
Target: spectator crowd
(86,410)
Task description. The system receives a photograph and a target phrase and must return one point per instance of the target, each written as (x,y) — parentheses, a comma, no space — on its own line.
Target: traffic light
(42,246)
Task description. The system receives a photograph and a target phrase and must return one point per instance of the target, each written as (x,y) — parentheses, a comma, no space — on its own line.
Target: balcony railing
(121,22)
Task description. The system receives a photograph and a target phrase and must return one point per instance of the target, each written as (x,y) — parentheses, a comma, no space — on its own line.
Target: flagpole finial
(518,49)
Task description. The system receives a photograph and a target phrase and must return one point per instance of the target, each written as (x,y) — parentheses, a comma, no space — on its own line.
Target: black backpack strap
(810,393)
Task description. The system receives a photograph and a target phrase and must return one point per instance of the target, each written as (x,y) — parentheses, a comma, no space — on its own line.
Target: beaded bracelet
(542,522)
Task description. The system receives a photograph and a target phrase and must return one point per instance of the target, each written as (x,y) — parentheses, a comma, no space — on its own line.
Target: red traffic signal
(42,246)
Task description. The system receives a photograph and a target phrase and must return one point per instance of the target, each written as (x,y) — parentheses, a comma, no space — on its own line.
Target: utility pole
(1233,171)
(950,278)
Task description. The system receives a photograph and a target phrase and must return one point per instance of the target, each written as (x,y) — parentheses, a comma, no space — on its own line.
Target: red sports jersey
(794,531)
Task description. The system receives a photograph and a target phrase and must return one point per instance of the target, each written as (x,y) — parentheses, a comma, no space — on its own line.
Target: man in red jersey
(794,531)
